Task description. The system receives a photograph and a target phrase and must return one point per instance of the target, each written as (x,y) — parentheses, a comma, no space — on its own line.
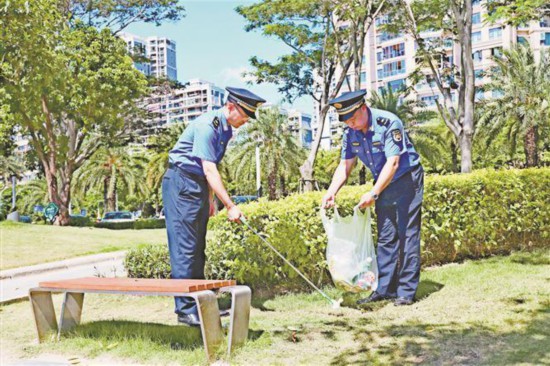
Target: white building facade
(389,59)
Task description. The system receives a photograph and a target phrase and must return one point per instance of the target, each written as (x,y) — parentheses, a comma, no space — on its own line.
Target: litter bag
(350,251)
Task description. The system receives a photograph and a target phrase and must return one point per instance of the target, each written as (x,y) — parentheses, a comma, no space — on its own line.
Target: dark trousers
(186,208)
(399,210)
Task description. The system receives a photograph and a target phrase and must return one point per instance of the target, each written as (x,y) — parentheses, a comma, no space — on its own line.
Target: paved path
(15,283)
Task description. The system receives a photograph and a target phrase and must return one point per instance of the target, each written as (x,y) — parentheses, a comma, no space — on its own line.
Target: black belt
(193,176)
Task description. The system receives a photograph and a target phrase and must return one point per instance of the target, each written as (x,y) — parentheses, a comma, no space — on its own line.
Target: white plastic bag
(350,250)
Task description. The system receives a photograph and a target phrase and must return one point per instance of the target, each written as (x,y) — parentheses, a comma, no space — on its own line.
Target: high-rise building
(159,51)
(162,53)
(389,59)
(300,125)
(186,104)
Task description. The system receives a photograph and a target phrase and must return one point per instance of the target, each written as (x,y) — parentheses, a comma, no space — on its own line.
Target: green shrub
(115,225)
(148,261)
(80,221)
(149,224)
(464,216)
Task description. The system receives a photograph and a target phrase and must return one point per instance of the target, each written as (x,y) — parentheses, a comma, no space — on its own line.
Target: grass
(489,312)
(26,244)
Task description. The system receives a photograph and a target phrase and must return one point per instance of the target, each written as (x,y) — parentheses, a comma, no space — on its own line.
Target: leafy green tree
(517,12)
(521,108)
(319,39)
(118,14)
(454,19)
(70,88)
(33,193)
(281,155)
(111,169)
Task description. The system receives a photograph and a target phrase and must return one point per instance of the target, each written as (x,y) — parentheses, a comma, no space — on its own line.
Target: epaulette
(383,121)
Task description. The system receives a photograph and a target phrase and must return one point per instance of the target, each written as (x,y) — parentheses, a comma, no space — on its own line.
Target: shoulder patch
(382,121)
(396,135)
(216,122)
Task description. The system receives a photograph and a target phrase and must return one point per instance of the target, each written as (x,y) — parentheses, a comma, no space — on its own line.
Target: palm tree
(159,145)
(521,107)
(111,169)
(10,166)
(281,155)
(429,139)
(33,193)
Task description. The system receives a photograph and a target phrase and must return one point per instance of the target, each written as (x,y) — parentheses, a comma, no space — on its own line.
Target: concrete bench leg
(71,311)
(44,313)
(240,315)
(211,325)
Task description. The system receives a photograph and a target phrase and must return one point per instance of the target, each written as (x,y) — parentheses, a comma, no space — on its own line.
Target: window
(522,40)
(496,52)
(430,100)
(480,94)
(477,56)
(545,39)
(394,68)
(383,36)
(363,77)
(476,18)
(393,51)
(478,73)
(476,37)
(497,93)
(476,2)
(396,85)
(495,33)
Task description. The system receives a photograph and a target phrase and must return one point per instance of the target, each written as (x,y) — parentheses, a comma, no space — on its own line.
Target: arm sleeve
(393,142)
(204,142)
(347,152)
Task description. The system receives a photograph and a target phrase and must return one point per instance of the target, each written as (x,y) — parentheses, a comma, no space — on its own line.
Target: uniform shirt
(384,138)
(205,138)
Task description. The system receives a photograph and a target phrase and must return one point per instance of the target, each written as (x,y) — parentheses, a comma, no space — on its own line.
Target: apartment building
(389,59)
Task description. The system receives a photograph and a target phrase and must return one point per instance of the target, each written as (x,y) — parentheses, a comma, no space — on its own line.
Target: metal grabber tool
(335,303)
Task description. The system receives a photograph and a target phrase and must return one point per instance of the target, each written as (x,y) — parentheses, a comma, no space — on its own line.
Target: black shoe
(403,301)
(375,296)
(191,320)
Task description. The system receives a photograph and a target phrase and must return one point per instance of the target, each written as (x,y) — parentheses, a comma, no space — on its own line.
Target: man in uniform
(377,137)
(185,188)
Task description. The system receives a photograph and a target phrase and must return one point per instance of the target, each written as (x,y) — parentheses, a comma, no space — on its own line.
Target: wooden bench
(200,290)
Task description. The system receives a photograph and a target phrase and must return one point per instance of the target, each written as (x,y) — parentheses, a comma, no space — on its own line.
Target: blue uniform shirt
(205,138)
(385,138)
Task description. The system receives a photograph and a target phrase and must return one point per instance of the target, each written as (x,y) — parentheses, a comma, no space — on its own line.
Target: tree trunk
(306,170)
(282,182)
(363,175)
(111,197)
(465,153)
(454,157)
(272,184)
(530,147)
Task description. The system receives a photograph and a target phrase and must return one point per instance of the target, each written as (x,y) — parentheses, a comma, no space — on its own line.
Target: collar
(225,125)
(371,126)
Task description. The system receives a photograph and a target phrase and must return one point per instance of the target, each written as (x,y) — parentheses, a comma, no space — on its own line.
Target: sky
(212,44)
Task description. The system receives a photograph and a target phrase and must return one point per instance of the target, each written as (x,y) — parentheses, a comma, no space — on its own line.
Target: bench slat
(143,285)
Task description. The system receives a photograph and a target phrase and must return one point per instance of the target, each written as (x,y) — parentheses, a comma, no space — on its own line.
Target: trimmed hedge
(148,261)
(81,221)
(464,216)
(137,225)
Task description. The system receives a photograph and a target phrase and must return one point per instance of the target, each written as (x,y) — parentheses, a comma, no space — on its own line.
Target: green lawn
(490,312)
(26,244)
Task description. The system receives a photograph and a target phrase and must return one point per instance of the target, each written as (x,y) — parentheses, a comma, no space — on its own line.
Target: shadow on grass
(454,343)
(425,289)
(176,337)
(173,336)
